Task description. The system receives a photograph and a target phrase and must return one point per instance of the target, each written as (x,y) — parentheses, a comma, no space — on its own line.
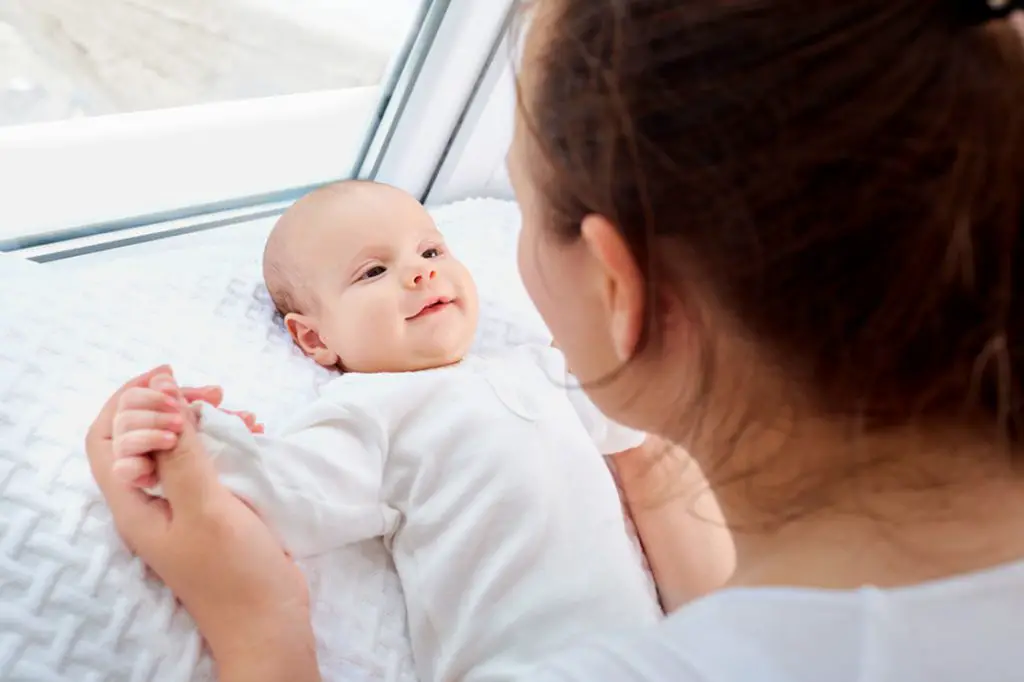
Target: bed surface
(74,605)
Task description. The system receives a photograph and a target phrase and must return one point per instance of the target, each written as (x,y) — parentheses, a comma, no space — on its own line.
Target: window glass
(135,108)
(63,59)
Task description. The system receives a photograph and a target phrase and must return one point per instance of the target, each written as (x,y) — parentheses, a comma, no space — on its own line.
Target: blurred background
(64,59)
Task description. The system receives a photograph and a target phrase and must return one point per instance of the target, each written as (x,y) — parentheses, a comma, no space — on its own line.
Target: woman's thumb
(186,473)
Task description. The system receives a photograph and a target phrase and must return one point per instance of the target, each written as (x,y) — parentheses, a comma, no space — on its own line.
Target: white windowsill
(251,234)
(81,172)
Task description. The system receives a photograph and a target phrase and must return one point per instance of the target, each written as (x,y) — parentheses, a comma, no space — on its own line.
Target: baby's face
(389,296)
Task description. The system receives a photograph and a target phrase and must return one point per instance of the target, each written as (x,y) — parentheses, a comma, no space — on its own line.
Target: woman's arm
(688,547)
(281,657)
(248,599)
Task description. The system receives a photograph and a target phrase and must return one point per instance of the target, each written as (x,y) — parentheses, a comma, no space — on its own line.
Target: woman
(788,236)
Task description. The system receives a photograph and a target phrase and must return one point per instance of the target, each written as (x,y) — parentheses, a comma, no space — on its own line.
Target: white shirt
(484,480)
(965,629)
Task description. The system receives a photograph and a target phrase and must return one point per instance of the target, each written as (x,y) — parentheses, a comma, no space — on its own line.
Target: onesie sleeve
(317,484)
(609,436)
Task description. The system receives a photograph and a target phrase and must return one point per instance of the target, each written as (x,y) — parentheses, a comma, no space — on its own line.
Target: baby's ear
(306,337)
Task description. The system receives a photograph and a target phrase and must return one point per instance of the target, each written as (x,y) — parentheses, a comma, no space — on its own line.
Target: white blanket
(74,605)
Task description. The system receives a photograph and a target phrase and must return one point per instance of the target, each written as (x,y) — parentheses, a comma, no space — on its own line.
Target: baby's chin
(405,364)
(442,342)
(412,359)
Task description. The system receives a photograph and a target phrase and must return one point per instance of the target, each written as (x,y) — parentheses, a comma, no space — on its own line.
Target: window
(117,113)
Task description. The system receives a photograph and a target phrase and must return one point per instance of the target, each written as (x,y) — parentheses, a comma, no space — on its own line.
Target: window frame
(68,179)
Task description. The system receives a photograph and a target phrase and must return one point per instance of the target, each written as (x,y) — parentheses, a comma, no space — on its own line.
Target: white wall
(475,163)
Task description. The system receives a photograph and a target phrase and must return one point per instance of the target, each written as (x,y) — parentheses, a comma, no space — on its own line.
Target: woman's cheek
(546,287)
(525,262)
(537,285)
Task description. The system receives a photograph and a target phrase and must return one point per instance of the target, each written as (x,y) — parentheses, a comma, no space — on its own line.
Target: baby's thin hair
(281,288)
(278,277)
(285,285)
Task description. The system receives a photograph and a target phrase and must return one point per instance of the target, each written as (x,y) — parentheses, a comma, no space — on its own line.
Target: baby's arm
(684,536)
(687,544)
(317,484)
(610,437)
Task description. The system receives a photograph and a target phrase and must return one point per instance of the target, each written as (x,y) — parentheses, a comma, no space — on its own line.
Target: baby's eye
(432,252)
(375,271)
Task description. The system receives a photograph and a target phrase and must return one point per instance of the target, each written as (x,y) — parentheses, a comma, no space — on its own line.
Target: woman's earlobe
(620,283)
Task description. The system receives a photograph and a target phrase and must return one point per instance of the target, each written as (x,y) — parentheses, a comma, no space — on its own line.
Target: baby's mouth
(434,305)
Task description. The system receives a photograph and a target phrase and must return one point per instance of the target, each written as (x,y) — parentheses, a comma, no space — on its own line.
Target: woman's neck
(821,508)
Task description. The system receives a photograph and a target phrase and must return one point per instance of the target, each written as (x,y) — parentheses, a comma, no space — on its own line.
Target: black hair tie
(976,12)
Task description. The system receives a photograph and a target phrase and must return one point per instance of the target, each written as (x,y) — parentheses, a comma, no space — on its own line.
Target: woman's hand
(148,420)
(249,600)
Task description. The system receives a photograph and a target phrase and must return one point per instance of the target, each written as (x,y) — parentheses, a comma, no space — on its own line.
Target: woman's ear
(304,333)
(619,281)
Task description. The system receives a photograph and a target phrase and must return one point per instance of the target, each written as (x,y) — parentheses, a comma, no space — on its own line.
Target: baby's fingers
(248,418)
(136,443)
(213,395)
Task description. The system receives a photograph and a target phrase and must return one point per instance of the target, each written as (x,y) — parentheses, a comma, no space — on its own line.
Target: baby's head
(365,282)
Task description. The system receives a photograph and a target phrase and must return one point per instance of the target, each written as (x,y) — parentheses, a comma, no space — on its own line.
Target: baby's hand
(247,417)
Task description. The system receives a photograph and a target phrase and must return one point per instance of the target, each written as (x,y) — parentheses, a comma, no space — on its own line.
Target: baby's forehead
(340,235)
(382,240)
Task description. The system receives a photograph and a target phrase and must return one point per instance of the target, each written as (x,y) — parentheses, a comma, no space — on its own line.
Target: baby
(483,475)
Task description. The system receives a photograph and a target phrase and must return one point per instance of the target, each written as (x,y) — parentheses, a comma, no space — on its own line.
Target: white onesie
(483,479)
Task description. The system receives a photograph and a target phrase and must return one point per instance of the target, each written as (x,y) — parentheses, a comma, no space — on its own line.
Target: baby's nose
(422,275)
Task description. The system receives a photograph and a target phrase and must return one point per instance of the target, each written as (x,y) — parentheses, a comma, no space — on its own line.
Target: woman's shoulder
(735,635)
(951,629)
(712,640)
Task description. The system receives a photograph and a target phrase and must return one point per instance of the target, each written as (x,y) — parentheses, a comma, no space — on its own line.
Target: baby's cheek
(369,346)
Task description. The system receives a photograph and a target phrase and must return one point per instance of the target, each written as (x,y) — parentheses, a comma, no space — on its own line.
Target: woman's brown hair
(845,178)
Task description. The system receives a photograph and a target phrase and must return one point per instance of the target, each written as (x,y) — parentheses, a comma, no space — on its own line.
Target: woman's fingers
(143,441)
(146,480)
(166,384)
(160,391)
(145,398)
(142,420)
(135,470)
(138,516)
(186,471)
(103,426)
